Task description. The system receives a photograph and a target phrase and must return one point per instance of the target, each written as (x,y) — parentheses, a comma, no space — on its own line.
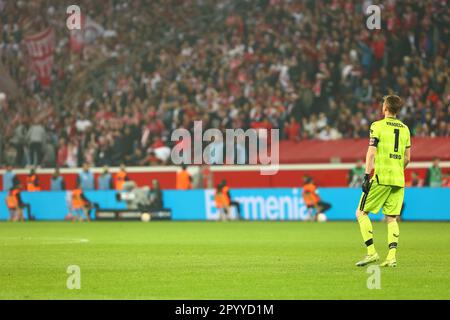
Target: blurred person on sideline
(9,178)
(33,181)
(155,197)
(312,199)
(232,203)
(183,179)
(81,206)
(85,178)
(434,175)
(16,205)
(197,178)
(356,175)
(12,202)
(121,177)
(105,181)
(57,182)
(222,202)
(415,180)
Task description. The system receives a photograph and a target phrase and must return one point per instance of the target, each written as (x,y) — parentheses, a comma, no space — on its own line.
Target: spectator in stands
(57,182)
(137,158)
(356,175)
(48,155)
(284,59)
(161,151)
(18,141)
(103,154)
(151,159)
(10,154)
(118,147)
(36,138)
(434,175)
(364,93)
(183,179)
(72,154)
(328,133)
(85,179)
(105,181)
(9,178)
(292,130)
(61,156)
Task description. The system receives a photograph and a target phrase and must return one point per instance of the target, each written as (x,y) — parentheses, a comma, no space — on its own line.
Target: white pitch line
(46,240)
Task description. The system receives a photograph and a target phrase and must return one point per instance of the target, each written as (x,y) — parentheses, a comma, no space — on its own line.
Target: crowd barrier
(276,204)
(237,176)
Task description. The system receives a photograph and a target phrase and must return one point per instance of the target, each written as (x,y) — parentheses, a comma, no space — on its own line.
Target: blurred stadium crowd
(309,67)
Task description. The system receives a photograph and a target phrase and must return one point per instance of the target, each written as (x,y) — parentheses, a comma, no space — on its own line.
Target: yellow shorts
(387,198)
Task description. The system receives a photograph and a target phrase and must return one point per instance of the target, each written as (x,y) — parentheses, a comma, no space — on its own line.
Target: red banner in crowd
(41,47)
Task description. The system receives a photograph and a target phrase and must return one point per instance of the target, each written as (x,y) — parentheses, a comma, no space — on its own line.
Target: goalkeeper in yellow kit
(389,153)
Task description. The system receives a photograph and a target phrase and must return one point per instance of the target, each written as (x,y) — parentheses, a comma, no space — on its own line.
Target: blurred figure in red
(446,180)
(292,130)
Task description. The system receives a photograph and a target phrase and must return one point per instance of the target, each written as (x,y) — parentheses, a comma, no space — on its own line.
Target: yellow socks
(365,226)
(393,233)
(367,233)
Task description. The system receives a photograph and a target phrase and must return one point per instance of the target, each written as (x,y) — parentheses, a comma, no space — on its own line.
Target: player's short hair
(393,103)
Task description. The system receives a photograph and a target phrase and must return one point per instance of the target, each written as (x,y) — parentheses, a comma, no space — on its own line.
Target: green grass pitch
(213,260)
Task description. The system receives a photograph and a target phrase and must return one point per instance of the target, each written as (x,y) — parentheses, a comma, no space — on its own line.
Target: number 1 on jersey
(397,134)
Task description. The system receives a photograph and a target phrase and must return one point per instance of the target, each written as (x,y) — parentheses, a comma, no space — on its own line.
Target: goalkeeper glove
(366,183)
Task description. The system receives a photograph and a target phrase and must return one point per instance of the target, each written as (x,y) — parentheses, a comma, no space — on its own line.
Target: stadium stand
(140,69)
